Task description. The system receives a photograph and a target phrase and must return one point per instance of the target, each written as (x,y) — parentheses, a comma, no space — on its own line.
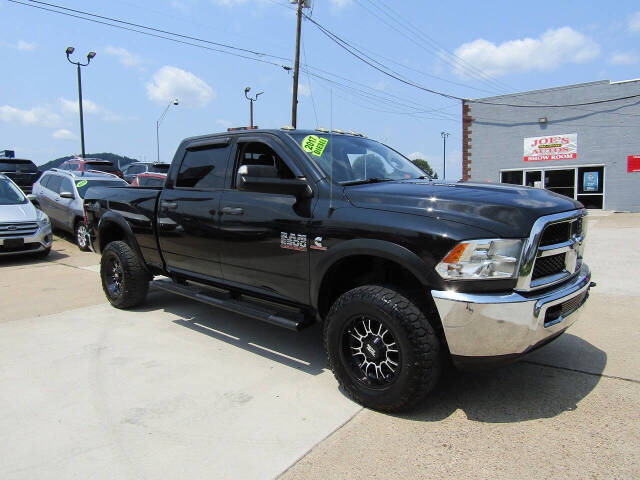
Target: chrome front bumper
(491,328)
(38,242)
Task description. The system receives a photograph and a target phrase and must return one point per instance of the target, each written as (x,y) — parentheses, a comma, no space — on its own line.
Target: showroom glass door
(533,178)
(561,181)
(591,186)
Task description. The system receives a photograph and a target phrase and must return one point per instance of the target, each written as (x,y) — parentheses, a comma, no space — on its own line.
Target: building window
(514,177)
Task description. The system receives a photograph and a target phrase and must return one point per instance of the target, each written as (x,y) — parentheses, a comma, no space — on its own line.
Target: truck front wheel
(381,348)
(124,279)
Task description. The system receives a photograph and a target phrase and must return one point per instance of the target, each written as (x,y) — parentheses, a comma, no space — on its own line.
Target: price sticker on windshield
(81,183)
(314,145)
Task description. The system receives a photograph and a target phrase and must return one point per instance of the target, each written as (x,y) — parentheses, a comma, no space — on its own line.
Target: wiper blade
(368,180)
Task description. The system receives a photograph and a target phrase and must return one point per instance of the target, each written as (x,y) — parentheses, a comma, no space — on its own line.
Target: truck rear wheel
(124,279)
(381,348)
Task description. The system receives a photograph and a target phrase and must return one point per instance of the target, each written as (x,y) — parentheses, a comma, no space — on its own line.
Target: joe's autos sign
(557,147)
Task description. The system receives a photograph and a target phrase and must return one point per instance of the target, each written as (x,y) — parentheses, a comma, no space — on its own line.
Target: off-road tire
(421,361)
(76,231)
(134,283)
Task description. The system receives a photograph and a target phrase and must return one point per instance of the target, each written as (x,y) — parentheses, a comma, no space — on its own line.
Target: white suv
(23,228)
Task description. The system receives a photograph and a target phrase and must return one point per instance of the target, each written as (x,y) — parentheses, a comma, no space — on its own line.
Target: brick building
(589,151)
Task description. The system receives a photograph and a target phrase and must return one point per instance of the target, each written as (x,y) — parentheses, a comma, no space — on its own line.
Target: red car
(149,180)
(91,165)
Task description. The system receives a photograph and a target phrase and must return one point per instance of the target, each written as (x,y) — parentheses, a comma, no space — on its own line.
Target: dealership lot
(179,390)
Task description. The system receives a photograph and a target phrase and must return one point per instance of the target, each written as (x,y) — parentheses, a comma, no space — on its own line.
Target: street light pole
(251,100)
(444,136)
(158,122)
(90,55)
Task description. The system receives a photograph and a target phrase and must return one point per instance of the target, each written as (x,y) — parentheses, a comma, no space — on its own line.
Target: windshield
(10,194)
(18,166)
(356,159)
(83,185)
(159,168)
(101,166)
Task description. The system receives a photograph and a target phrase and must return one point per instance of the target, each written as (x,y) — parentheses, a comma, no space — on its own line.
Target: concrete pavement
(176,389)
(570,410)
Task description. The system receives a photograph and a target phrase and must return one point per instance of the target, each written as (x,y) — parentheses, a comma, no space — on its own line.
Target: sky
(466,49)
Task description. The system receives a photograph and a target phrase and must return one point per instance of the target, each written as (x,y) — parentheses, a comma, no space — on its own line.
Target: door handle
(233,211)
(167,205)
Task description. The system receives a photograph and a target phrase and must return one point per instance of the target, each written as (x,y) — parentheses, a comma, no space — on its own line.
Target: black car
(23,172)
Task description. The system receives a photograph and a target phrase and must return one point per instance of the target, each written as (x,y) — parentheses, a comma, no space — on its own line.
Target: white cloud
(229,3)
(416,155)
(624,58)
(63,134)
(552,49)
(37,116)
(304,90)
(340,3)
(25,46)
(89,108)
(634,22)
(172,82)
(125,57)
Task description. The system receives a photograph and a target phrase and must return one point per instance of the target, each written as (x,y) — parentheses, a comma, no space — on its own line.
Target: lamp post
(444,136)
(159,121)
(90,55)
(251,100)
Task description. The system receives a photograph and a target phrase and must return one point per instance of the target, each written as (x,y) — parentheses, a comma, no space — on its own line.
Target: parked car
(132,170)
(149,180)
(59,194)
(23,228)
(23,172)
(91,165)
(291,227)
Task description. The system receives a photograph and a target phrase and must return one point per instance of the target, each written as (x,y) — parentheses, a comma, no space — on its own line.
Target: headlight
(42,219)
(481,259)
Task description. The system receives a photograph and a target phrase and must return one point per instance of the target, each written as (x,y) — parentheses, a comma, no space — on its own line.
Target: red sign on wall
(633,164)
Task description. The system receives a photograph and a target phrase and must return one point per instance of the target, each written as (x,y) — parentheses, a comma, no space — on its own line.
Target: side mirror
(67,195)
(264,179)
(32,198)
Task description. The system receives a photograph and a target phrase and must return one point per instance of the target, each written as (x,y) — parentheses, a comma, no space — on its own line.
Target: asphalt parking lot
(176,389)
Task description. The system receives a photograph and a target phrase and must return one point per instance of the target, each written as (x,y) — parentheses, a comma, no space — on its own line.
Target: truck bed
(137,206)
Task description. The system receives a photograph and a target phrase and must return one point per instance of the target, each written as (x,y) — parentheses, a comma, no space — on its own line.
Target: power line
(313,102)
(404,23)
(352,50)
(121,27)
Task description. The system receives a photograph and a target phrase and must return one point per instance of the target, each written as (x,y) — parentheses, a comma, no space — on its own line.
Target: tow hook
(593,284)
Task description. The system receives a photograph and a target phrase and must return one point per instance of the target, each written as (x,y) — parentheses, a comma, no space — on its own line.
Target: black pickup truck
(296,226)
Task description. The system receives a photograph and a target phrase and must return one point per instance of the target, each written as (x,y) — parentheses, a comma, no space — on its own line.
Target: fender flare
(376,248)
(111,218)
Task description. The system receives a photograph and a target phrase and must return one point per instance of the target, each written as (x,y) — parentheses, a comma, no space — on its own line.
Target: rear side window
(66,185)
(151,182)
(203,168)
(54,183)
(159,168)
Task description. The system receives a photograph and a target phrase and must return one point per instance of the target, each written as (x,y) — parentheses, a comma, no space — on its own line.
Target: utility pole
(296,67)
(444,136)
(251,100)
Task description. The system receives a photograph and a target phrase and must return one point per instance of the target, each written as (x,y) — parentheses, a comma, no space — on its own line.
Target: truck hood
(25,212)
(504,210)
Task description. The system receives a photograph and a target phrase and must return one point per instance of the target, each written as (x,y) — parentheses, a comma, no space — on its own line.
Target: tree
(425,167)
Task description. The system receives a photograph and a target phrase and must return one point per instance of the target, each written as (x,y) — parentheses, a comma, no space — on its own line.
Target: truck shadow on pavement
(300,350)
(518,392)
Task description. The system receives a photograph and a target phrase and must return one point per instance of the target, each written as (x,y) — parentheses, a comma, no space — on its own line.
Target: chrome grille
(553,251)
(556,233)
(550,265)
(17,230)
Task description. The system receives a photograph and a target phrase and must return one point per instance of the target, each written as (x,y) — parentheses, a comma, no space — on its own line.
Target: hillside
(103,156)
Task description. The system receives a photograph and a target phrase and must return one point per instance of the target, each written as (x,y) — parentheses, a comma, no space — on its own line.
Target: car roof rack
(103,173)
